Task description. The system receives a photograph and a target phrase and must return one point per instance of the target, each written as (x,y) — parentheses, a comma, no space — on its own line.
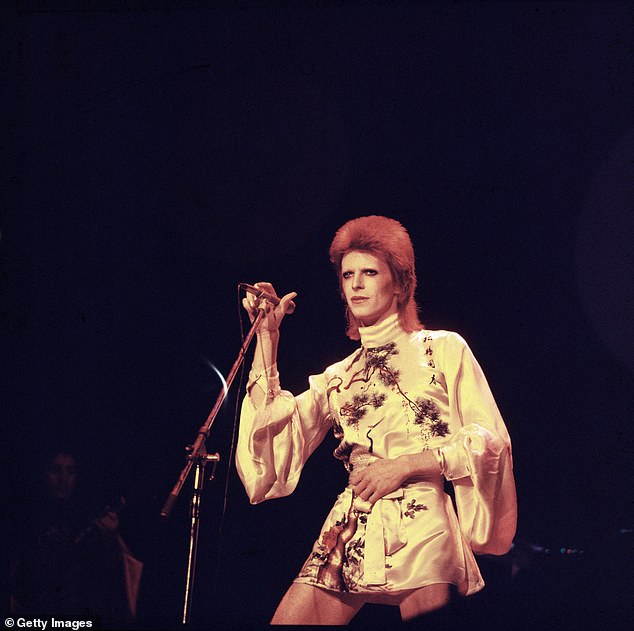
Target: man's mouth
(357,299)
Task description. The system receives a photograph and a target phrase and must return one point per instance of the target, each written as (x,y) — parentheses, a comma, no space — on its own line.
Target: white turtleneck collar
(386,331)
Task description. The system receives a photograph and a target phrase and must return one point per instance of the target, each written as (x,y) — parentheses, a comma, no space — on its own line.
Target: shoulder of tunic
(343,365)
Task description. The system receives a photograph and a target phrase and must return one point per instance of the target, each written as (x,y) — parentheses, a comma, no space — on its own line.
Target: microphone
(259,293)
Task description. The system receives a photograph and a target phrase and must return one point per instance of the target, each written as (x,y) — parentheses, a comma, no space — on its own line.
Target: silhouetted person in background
(68,560)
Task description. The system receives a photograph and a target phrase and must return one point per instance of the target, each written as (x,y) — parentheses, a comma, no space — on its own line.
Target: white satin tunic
(400,393)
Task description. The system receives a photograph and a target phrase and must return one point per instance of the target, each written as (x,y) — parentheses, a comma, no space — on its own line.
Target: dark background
(155,154)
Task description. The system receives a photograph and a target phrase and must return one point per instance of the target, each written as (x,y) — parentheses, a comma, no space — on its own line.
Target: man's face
(61,476)
(368,287)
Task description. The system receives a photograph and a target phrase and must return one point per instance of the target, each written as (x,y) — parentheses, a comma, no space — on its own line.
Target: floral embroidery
(353,411)
(377,359)
(426,409)
(337,557)
(413,508)
(427,413)
(427,418)
(353,562)
(424,413)
(439,428)
(329,538)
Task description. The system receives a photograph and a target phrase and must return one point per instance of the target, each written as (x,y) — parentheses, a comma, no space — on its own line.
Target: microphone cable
(231,456)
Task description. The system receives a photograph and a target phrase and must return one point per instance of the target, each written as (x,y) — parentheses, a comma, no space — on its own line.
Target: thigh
(426,599)
(307,604)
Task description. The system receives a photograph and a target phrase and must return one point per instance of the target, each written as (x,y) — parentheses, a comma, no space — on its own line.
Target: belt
(384,530)
(384,534)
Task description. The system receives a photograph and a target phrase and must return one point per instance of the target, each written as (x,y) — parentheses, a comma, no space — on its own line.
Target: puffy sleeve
(478,460)
(276,439)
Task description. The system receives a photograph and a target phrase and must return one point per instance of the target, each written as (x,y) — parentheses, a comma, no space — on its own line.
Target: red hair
(388,239)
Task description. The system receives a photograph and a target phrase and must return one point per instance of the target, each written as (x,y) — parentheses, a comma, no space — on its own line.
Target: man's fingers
(248,308)
(287,304)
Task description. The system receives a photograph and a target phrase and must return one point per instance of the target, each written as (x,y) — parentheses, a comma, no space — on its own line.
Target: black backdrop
(157,153)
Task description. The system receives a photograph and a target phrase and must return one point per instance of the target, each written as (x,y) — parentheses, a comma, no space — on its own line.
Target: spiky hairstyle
(388,239)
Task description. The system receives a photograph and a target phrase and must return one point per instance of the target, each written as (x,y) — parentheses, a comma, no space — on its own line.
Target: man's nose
(358,281)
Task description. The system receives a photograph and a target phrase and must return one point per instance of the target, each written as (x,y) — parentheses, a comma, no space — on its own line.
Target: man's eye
(347,274)
(371,272)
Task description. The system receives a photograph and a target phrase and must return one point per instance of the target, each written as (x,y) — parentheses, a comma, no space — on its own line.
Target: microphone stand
(197,455)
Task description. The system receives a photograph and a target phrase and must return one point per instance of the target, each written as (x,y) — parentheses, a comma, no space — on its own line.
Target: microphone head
(259,293)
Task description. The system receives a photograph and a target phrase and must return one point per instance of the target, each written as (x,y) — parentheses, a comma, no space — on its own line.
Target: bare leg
(307,604)
(426,599)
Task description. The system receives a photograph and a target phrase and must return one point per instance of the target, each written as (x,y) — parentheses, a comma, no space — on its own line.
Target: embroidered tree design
(377,360)
(427,414)
(353,411)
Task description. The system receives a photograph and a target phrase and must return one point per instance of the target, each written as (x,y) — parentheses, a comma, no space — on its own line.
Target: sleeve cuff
(268,380)
(453,461)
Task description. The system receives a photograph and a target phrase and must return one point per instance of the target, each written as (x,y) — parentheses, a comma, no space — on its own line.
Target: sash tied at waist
(384,530)
(384,533)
